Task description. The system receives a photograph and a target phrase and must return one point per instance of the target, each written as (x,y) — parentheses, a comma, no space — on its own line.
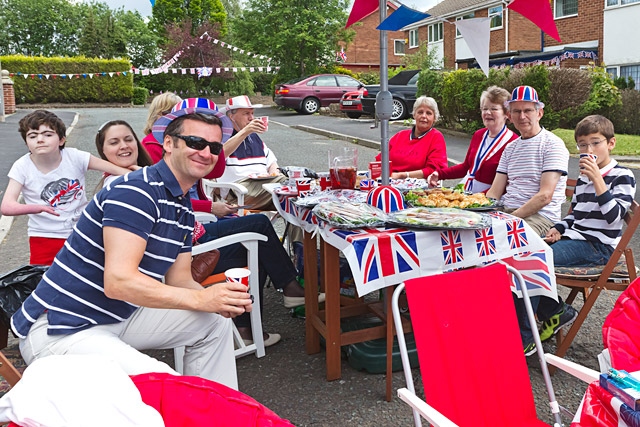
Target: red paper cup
(238,275)
(265,122)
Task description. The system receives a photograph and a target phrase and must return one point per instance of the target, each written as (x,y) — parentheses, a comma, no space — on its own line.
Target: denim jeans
(272,257)
(571,253)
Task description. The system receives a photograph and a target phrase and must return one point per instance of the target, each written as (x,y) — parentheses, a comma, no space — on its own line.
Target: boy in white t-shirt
(51,179)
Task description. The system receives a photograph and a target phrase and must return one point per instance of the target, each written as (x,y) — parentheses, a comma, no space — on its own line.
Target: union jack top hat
(192,106)
(525,93)
(386,198)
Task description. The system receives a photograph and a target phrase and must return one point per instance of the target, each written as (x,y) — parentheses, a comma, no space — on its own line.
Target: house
(598,31)
(363,53)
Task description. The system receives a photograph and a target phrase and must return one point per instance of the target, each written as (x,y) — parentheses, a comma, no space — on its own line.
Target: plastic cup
(238,275)
(593,156)
(265,122)
(324,181)
(303,185)
(367,184)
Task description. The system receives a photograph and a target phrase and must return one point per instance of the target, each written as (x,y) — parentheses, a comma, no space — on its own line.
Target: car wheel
(310,106)
(352,115)
(399,110)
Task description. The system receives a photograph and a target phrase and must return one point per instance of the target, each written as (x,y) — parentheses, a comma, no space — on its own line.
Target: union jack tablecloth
(384,257)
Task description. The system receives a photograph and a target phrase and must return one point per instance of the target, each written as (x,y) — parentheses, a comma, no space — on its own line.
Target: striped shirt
(600,218)
(251,157)
(148,203)
(524,161)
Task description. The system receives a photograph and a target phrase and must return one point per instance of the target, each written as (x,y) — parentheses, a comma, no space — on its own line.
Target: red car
(351,104)
(307,94)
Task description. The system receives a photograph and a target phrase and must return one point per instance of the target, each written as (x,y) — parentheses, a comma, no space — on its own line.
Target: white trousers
(208,338)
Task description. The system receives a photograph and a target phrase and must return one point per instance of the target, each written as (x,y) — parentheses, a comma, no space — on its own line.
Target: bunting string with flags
(476,33)
(69,76)
(164,67)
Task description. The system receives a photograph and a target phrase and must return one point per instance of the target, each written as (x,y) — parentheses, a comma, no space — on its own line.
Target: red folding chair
(469,378)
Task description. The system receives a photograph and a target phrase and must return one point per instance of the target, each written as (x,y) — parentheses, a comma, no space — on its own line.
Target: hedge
(569,94)
(113,84)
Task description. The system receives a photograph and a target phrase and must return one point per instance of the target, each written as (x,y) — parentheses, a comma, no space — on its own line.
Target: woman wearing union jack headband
(486,146)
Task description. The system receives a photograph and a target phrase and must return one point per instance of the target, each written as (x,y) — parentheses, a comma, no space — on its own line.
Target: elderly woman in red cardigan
(486,146)
(417,152)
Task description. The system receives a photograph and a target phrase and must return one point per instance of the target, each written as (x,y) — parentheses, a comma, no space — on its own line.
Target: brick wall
(9,98)
(586,26)
(523,34)
(364,52)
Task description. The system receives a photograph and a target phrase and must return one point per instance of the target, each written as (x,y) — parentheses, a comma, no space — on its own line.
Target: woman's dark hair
(143,157)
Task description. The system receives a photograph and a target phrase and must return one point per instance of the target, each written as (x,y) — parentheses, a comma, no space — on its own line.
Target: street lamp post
(1,96)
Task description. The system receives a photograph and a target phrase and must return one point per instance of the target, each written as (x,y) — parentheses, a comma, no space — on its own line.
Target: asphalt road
(287,380)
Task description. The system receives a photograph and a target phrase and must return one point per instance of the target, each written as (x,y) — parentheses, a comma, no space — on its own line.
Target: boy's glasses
(198,143)
(594,145)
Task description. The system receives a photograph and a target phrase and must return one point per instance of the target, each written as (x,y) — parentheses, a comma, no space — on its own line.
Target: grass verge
(626,145)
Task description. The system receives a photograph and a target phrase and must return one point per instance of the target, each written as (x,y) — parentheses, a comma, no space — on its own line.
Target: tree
(198,12)
(233,9)
(39,27)
(301,35)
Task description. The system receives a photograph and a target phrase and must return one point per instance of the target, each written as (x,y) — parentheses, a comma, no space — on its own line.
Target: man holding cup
(122,282)
(252,157)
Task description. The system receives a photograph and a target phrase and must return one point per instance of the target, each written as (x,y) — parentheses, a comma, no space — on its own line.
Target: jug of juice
(343,164)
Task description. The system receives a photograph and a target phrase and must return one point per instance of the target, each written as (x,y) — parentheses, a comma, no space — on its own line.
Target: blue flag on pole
(401,18)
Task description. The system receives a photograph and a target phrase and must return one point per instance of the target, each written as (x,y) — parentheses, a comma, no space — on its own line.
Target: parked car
(403,87)
(307,94)
(351,104)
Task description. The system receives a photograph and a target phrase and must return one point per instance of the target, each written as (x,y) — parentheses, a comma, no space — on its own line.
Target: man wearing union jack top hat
(530,181)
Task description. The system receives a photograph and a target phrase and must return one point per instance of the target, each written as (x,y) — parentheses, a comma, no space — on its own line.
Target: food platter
(341,196)
(409,184)
(350,215)
(439,219)
(451,198)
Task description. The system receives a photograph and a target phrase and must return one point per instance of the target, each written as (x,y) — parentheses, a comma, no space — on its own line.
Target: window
(613,72)
(413,38)
(620,2)
(566,8)
(398,47)
(326,81)
(460,18)
(435,32)
(495,13)
(347,81)
(632,71)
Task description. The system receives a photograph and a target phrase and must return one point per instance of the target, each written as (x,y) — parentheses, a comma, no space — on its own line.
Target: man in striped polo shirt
(530,181)
(122,281)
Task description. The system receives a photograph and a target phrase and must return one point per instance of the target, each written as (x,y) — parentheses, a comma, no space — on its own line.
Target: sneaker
(552,326)
(530,348)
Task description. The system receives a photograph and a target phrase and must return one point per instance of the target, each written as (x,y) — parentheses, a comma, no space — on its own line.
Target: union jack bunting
(451,247)
(287,205)
(485,243)
(382,253)
(534,268)
(516,234)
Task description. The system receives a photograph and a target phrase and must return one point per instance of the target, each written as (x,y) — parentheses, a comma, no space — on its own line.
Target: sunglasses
(198,143)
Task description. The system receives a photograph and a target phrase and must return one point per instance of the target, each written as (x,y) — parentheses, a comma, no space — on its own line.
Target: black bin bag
(16,286)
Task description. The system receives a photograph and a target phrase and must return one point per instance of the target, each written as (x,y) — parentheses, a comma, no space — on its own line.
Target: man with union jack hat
(530,181)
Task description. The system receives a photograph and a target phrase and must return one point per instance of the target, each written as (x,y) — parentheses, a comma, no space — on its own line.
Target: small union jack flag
(287,205)
(484,242)
(501,215)
(341,56)
(534,269)
(516,234)
(451,246)
(382,253)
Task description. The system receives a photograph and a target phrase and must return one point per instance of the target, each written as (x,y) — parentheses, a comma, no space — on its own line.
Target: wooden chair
(616,275)
(7,370)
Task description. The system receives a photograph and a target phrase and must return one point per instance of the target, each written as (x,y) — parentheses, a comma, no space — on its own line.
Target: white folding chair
(250,242)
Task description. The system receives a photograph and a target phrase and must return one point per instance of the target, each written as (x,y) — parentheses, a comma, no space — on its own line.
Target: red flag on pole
(361,9)
(539,12)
